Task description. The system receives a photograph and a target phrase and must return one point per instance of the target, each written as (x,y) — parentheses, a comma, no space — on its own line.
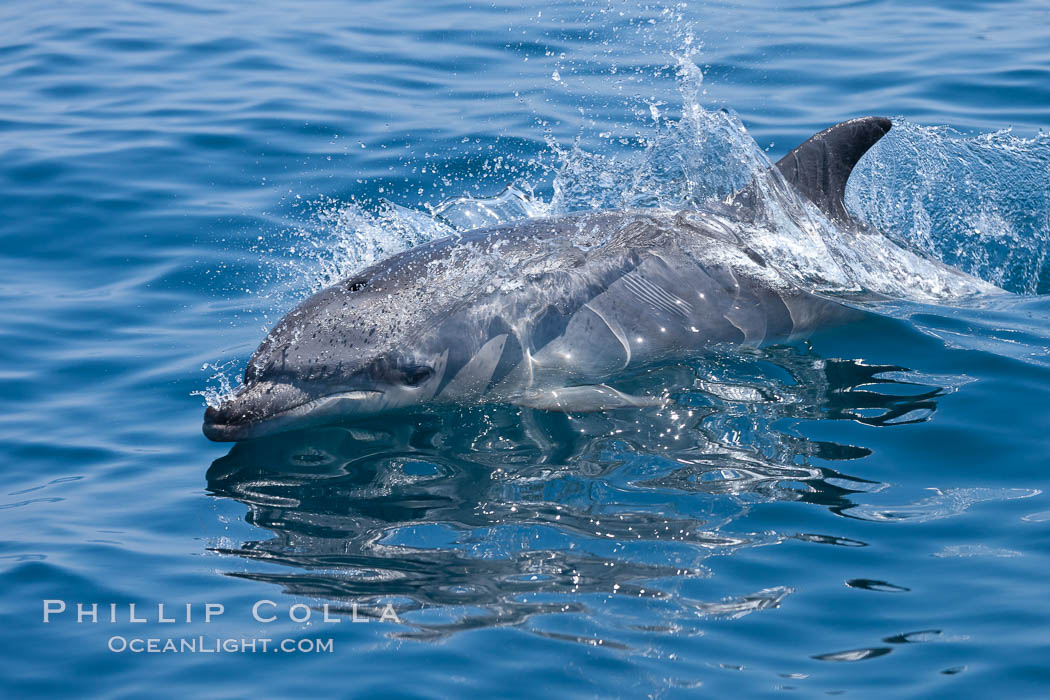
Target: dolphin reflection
(491,515)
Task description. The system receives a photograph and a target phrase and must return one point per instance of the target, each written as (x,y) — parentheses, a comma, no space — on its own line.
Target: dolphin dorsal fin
(820,167)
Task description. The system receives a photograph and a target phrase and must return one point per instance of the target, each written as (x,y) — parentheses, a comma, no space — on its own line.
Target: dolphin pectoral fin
(588,398)
(820,167)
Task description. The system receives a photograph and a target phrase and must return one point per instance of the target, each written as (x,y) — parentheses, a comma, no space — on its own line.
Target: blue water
(866,511)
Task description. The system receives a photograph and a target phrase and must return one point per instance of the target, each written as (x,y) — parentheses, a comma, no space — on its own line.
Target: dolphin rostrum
(540,312)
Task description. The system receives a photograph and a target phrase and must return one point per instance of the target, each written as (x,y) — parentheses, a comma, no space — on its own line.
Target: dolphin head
(352,350)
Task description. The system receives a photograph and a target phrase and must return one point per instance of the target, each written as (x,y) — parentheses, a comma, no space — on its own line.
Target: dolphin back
(820,167)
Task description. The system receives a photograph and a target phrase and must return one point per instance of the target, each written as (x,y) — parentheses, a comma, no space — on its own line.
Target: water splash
(345,238)
(702,156)
(514,203)
(706,155)
(220,385)
(980,203)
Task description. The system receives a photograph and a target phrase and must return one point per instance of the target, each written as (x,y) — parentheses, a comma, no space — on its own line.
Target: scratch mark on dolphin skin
(656,296)
(617,331)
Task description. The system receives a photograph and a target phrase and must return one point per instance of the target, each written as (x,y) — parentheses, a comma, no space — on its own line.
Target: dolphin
(542,312)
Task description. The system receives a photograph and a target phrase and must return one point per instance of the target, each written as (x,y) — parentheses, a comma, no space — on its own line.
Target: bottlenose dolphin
(541,312)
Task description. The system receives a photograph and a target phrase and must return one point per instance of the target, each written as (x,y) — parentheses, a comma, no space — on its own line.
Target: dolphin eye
(414,376)
(355,285)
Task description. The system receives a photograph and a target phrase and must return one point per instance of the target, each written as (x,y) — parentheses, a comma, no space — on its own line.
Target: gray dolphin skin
(539,312)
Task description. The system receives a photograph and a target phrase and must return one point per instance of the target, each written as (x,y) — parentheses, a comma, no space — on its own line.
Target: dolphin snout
(227,422)
(243,415)
(225,419)
(212,415)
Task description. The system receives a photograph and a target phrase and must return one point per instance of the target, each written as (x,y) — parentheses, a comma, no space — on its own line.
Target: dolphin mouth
(221,426)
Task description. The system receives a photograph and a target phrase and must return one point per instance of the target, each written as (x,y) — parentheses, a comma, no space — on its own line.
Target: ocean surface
(865,511)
